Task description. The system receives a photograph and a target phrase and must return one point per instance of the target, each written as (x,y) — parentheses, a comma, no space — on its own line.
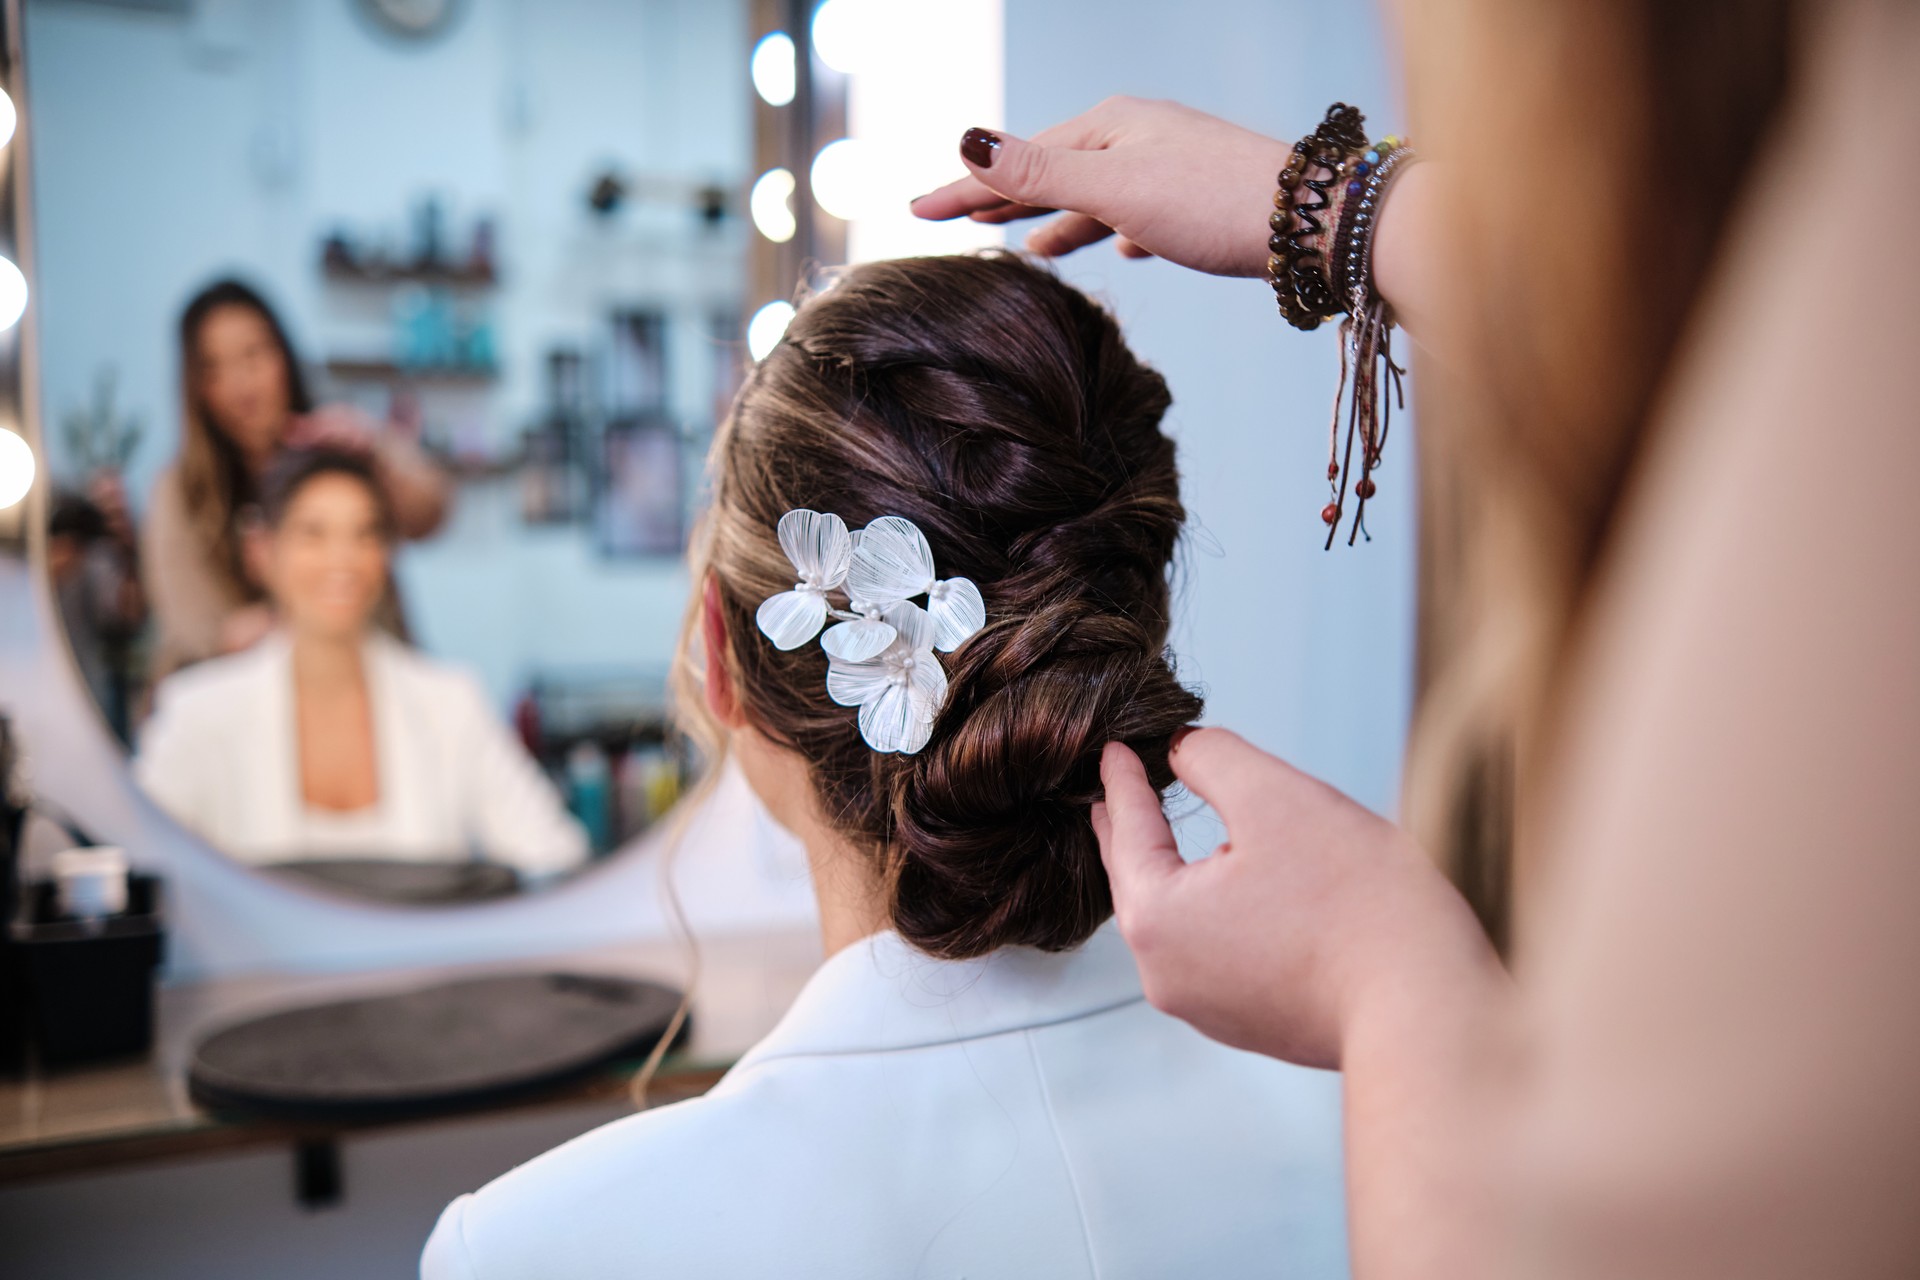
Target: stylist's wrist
(1265,158)
(1425,975)
(1403,248)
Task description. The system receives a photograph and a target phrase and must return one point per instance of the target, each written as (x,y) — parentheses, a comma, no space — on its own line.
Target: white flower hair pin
(880,651)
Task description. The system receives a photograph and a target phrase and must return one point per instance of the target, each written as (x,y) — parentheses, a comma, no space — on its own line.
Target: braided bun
(998,409)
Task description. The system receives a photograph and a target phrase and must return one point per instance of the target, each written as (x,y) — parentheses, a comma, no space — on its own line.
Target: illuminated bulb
(764,330)
(16,468)
(844,33)
(843,179)
(8,118)
(772,67)
(13,294)
(771,204)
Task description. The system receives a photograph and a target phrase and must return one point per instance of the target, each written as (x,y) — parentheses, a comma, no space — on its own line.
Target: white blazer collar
(273,747)
(880,994)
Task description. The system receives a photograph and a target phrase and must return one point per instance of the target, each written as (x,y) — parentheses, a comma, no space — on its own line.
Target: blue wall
(1306,652)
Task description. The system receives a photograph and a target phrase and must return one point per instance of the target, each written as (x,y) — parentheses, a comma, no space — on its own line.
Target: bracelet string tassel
(1369,344)
(1322,268)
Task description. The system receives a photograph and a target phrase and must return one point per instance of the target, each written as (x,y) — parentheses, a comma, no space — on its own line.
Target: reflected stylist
(246,399)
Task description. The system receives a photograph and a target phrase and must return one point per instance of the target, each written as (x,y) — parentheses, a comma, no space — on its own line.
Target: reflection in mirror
(378,365)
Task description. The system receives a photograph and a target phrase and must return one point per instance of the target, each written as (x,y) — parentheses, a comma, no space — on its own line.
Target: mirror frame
(223,915)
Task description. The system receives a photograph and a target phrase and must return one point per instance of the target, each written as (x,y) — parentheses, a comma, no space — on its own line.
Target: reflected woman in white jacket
(973,1083)
(331,739)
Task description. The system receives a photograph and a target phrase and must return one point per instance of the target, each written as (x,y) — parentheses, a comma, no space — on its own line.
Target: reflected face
(241,379)
(326,563)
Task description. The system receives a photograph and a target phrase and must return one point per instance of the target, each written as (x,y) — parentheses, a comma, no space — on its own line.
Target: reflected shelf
(387,371)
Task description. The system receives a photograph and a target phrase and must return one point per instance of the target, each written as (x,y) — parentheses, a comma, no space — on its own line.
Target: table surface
(55,1122)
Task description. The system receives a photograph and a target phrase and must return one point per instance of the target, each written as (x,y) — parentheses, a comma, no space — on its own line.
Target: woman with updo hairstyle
(329,739)
(973,1083)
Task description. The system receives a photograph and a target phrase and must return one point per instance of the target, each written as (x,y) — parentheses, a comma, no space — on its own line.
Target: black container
(86,987)
(13,1014)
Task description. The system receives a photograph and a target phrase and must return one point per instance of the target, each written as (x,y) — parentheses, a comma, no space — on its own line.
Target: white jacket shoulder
(210,696)
(451,688)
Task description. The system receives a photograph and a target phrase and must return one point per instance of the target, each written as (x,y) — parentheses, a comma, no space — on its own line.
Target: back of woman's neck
(846,890)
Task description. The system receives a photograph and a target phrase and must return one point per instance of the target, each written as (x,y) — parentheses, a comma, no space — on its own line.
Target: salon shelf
(448,276)
(477,470)
(387,371)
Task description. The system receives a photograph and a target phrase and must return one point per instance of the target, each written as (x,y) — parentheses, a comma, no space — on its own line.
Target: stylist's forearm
(1405,248)
(415,484)
(1424,1060)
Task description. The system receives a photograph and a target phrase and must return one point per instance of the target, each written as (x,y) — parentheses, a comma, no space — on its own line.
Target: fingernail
(1179,736)
(977,147)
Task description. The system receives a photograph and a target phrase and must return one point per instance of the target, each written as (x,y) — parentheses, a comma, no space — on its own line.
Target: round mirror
(377,378)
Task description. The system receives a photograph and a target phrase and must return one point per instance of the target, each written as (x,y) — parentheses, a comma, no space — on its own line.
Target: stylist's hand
(1171,181)
(1316,915)
(334,426)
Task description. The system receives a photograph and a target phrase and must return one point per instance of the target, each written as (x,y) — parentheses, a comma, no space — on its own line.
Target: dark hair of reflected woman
(294,469)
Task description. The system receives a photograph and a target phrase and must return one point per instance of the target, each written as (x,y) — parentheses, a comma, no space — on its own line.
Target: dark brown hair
(999,410)
(294,469)
(214,480)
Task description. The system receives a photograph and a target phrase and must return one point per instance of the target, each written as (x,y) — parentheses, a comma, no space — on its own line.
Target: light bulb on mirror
(843,179)
(766,327)
(16,468)
(772,67)
(846,33)
(771,204)
(9,118)
(13,294)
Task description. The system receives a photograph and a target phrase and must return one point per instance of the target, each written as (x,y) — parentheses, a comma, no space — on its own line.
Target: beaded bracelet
(1322,269)
(1365,189)
(1366,336)
(1296,264)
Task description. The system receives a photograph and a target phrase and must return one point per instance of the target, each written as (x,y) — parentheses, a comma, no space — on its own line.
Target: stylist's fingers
(1229,773)
(1136,843)
(1128,249)
(967,196)
(984,201)
(1008,211)
(1052,177)
(1066,233)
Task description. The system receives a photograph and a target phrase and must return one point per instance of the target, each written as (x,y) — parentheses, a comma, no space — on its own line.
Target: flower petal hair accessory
(880,652)
(819,548)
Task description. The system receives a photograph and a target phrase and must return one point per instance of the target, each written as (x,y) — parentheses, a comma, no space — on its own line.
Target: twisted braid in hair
(998,409)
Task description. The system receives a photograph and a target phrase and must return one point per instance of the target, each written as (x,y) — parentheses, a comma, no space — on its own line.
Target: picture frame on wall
(640,508)
(553,483)
(635,376)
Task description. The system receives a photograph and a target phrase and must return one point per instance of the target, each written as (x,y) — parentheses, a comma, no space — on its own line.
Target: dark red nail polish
(977,147)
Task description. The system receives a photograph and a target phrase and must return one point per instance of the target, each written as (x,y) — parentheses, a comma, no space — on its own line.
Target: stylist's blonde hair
(1592,151)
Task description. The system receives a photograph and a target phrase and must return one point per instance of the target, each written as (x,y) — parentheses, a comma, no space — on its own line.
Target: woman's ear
(719,682)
